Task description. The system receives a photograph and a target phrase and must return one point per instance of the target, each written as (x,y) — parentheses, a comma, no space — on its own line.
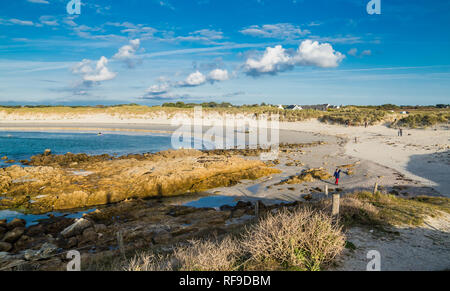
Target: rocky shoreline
(62,182)
(129,186)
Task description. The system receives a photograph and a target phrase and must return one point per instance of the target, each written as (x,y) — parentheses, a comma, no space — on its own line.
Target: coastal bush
(305,240)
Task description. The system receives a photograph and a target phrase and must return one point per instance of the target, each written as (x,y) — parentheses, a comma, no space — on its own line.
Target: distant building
(280,107)
(294,107)
(320,107)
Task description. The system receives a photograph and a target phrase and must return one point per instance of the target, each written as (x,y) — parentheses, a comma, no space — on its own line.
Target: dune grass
(425,119)
(351,115)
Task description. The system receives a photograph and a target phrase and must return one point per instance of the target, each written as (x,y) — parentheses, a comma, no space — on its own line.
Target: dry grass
(303,239)
(148,262)
(208,255)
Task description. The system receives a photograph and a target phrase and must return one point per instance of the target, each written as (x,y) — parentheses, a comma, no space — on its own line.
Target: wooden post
(375,188)
(257,209)
(336,202)
(326,190)
(120,243)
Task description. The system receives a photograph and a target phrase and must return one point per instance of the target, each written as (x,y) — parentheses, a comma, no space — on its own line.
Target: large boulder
(16,222)
(5,247)
(13,235)
(3,230)
(89,235)
(77,228)
(45,252)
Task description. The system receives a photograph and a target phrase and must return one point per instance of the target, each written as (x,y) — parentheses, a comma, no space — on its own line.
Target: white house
(294,107)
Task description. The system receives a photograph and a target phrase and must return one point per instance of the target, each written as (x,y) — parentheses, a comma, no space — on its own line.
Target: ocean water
(22,145)
(32,219)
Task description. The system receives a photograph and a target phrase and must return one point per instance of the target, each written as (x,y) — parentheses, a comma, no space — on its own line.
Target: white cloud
(353,52)
(39,1)
(218,75)
(280,31)
(127,53)
(320,55)
(309,53)
(163,89)
(274,60)
(158,89)
(95,74)
(14,21)
(195,79)
(48,20)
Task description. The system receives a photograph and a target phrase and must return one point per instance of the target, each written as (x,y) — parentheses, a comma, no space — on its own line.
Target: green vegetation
(425,119)
(384,210)
(354,116)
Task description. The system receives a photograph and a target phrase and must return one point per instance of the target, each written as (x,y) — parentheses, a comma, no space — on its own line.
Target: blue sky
(238,51)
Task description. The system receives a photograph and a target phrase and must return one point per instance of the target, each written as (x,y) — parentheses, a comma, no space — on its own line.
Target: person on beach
(337,175)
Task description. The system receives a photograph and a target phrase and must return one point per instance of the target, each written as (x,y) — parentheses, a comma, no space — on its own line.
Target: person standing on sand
(337,175)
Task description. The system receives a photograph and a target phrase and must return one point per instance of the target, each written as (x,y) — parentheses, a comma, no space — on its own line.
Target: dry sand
(421,154)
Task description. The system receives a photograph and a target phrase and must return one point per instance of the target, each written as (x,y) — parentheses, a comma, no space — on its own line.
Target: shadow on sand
(434,167)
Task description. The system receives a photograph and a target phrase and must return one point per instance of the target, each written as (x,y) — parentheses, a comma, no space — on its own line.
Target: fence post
(375,188)
(336,202)
(257,209)
(120,243)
